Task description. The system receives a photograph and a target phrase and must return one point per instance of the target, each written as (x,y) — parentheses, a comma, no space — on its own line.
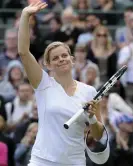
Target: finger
(91,113)
(90,103)
(97,106)
(37,3)
(32,4)
(94,106)
(92,110)
(43,6)
(94,102)
(90,107)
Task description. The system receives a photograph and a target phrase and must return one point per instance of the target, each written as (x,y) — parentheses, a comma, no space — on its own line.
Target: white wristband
(92,120)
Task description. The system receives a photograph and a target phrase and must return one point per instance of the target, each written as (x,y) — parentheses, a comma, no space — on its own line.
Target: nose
(61,59)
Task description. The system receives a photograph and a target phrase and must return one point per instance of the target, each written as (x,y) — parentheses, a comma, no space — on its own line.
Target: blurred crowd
(97,54)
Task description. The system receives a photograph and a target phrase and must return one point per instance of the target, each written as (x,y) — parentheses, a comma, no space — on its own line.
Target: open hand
(35,7)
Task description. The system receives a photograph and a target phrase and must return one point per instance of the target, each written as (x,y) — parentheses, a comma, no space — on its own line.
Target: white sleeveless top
(53,142)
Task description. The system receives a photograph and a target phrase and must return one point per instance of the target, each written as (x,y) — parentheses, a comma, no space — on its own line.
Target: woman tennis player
(58,98)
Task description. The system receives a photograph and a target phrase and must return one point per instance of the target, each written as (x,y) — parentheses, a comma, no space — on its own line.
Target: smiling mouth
(62,65)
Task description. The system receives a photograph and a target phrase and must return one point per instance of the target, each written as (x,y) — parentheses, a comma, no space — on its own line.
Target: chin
(64,70)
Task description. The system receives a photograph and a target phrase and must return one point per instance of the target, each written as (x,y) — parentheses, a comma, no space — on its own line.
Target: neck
(90,82)
(23,102)
(65,80)
(100,46)
(97,45)
(16,82)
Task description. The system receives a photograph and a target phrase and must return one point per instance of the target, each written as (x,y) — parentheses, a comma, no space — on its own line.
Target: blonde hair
(52,46)
(109,41)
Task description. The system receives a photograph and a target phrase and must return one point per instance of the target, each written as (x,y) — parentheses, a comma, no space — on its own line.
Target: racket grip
(73,119)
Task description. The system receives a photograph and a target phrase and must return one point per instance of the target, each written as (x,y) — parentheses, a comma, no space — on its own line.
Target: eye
(64,55)
(55,58)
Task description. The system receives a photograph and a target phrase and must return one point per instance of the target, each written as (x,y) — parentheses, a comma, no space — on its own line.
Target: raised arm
(33,69)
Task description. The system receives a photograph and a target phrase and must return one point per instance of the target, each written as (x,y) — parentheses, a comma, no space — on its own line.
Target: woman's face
(102,36)
(60,60)
(16,73)
(24,92)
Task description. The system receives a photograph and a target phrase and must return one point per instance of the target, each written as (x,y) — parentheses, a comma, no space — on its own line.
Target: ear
(73,60)
(48,66)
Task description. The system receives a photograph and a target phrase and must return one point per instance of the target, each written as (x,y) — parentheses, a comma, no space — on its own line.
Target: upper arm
(33,69)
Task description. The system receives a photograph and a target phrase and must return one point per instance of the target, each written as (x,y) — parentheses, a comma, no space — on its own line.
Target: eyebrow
(61,54)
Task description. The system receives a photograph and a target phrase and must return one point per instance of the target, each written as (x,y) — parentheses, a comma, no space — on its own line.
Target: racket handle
(73,119)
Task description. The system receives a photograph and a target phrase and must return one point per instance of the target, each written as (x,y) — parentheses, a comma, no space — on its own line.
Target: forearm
(96,130)
(24,34)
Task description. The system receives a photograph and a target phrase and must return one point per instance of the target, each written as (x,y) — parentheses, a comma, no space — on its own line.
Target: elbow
(98,132)
(99,136)
(22,52)
(22,49)
(101,131)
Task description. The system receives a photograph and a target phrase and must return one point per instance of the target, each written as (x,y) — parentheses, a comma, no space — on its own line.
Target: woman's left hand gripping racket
(105,88)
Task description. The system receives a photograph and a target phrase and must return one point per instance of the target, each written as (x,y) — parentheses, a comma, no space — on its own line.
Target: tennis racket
(105,88)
